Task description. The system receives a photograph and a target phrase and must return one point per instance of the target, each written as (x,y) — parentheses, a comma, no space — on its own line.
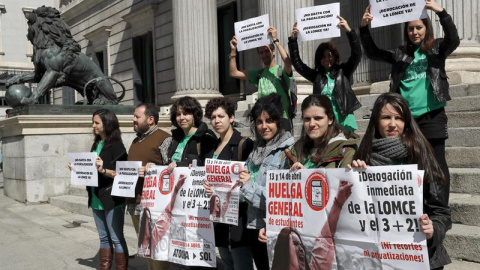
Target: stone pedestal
(35,151)
(196,49)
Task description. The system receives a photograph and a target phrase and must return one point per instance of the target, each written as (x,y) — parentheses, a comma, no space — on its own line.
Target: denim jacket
(255,192)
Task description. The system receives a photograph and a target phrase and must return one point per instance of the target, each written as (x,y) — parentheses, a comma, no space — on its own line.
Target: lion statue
(58,62)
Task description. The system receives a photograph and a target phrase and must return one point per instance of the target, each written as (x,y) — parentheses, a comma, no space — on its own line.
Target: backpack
(290,91)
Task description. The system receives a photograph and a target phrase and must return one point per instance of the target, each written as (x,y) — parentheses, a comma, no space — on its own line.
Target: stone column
(196,49)
(282,17)
(463,65)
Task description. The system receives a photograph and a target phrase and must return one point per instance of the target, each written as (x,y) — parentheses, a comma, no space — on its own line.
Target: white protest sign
(387,12)
(126,178)
(223,176)
(174,224)
(347,217)
(84,171)
(318,22)
(252,33)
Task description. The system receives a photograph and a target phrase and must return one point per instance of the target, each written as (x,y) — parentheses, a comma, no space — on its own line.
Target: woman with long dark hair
(232,240)
(322,143)
(393,138)
(331,77)
(418,74)
(108,210)
(268,154)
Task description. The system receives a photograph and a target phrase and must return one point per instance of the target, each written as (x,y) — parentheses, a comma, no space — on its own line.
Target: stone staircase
(463,158)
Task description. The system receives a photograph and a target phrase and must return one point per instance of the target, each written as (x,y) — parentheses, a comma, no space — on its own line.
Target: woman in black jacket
(393,138)
(232,241)
(192,139)
(108,210)
(330,77)
(418,74)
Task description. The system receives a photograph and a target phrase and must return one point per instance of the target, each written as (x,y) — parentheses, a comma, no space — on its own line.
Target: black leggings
(434,127)
(259,251)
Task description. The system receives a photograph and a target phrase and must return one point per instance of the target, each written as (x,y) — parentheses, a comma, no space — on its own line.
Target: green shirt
(253,170)
(96,203)
(416,89)
(269,83)
(309,164)
(347,122)
(177,156)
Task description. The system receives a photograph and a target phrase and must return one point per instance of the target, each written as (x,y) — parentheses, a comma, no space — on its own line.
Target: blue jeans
(236,258)
(110,228)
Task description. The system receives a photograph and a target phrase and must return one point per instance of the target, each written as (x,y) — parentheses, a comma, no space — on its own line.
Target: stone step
(465,209)
(463,137)
(455,120)
(78,191)
(463,104)
(462,265)
(463,242)
(462,90)
(77,204)
(463,157)
(465,180)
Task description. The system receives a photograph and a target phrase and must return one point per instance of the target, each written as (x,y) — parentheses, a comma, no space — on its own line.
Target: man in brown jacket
(145,148)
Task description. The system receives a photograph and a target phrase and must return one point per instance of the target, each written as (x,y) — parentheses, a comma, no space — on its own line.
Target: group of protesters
(408,125)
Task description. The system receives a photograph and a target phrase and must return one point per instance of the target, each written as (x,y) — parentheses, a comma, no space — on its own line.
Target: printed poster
(317,22)
(175,224)
(327,218)
(388,12)
(126,178)
(252,33)
(223,177)
(84,171)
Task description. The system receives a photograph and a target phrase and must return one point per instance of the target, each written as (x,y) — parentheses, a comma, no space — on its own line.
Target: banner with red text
(174,223)
(328,217)
(223,176)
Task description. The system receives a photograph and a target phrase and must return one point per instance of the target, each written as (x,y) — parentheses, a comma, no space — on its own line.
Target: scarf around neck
(387,151)
(263,149)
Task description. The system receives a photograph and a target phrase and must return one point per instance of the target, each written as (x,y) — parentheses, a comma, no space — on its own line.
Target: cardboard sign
(252,33)
(84,171)
(318,22)
(388,12)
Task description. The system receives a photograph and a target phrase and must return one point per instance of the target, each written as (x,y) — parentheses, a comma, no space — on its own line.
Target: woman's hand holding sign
(367,17)
(426,226)
(343,24)
(244,177)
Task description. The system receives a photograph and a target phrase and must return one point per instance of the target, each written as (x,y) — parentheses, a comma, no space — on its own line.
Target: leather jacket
(436,57)
(342,93)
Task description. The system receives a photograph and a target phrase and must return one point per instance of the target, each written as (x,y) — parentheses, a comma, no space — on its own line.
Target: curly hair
(220,102)
(189,105)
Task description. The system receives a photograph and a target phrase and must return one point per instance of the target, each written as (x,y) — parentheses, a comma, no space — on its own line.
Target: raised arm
(355,49)
(234,72)
(304,70)
(285,58)
(451,39)
(369,46)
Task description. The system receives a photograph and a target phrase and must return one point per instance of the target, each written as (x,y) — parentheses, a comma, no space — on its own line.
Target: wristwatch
(231,56)
(276,40)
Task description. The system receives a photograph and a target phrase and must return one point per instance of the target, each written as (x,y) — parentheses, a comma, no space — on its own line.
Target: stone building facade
(163,49)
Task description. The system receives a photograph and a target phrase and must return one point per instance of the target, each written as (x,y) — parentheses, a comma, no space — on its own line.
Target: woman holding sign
(322,144)
(418,74)
(232,241)
(108,211)
(392,138)
(330,77)
(268,154)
